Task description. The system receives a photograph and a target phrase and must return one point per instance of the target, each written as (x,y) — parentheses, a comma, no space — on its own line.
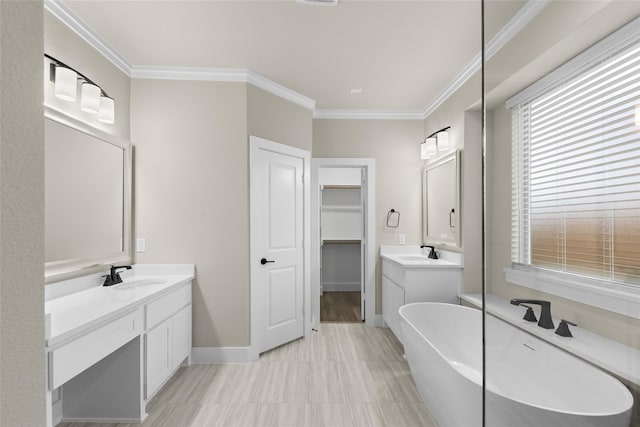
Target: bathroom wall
(559,32)
(461,113)
(65,45)
(192,188)
(22,367)
(395,146)
(275,118)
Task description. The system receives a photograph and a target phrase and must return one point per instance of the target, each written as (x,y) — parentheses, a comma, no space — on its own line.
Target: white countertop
(416,257)
(617,358)
(74,313)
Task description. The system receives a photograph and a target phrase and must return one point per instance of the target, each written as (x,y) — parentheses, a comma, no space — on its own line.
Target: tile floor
(346,374)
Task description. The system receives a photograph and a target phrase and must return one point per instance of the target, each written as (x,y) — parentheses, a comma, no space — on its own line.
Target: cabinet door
(181,335)
(392,300)
(158,355)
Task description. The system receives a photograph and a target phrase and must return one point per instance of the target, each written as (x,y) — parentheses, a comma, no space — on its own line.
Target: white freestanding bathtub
(529,382)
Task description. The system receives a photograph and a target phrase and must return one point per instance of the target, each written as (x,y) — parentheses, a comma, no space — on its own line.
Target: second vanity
(110,349)
(408,276)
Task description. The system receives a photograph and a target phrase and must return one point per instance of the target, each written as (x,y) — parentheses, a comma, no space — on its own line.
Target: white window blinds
(576,172)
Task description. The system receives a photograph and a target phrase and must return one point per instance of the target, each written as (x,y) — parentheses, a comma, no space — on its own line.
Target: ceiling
(401,54)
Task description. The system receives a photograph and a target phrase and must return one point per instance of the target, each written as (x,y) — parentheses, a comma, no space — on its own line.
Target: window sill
(609,296)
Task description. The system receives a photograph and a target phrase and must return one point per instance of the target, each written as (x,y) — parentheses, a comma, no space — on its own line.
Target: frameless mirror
(87,198)
(441,200)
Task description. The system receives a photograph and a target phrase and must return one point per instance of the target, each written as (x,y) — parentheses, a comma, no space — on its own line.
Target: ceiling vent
(319,2)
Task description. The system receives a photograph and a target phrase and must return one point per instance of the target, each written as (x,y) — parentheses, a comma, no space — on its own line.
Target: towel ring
(393,218)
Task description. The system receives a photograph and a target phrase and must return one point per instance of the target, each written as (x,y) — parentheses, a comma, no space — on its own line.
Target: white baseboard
(216,355)
(376,321)
(341,287)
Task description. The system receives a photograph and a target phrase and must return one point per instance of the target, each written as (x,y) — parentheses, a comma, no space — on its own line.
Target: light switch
(141,245)
(402,239)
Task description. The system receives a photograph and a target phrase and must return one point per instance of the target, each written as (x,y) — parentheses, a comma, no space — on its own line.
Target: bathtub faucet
(545,314)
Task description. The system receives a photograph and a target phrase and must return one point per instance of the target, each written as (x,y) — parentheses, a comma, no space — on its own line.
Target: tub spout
(545,315)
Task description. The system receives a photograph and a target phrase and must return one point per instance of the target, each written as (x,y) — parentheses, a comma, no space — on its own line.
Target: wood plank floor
(346,374)
(340,307)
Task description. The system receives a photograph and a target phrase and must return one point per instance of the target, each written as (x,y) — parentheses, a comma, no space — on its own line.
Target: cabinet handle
(451,225)
(263,261)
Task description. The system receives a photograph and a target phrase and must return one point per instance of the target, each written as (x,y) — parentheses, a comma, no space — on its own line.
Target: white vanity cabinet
(412,277)
(168,337)
(109,349)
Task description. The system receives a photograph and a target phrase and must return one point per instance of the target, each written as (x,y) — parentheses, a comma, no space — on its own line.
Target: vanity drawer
(167,306)
(73,358)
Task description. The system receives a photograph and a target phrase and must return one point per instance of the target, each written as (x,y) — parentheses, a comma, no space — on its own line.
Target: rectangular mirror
(87,198)
(441,201)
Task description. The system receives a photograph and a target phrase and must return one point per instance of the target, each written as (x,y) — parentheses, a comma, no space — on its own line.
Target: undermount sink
(132,284)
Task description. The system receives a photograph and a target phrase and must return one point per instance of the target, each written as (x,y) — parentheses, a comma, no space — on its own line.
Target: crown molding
(222,75)
(281,91)
(67,17)
(368,115)
(520,20)
(531,9)
(189,73)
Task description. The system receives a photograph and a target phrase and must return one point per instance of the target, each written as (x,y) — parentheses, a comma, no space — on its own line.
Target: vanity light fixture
(90,98)
(107,110)
(93,99)
(437,141)
(428,148)
(65,80)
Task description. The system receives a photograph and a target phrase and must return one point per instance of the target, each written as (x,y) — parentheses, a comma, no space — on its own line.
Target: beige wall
(191,195)
(192,188)
(395,146)
(65,45)
(22,368)
(274,118)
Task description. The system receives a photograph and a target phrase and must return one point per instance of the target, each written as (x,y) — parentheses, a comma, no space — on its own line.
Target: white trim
(218,355)
(593,55)
(71,20)
(256,144)
(506,33)
(368,115)
(277,89)
(222,75)
(606,295)
(369,165)
(189,73)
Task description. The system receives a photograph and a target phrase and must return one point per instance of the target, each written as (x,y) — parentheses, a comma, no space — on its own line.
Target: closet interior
(341,230)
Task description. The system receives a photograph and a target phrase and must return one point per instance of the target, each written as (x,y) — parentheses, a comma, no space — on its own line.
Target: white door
(279,239)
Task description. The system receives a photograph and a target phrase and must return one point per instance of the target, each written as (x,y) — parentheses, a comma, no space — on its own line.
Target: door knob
(263,261)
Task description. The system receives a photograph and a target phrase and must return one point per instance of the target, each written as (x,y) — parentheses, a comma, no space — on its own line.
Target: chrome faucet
(432,253)
(113,278)
(545,315)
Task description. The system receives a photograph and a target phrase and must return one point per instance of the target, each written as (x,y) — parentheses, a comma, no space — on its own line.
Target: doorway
(343,260)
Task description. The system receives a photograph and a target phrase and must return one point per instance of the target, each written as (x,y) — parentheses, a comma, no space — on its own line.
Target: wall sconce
(437,141)
(93,99)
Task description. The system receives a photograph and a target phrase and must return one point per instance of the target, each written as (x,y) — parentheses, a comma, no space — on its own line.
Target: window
(576,165)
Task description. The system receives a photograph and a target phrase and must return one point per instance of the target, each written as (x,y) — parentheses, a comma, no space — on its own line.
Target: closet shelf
(341,241)
(341,187)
